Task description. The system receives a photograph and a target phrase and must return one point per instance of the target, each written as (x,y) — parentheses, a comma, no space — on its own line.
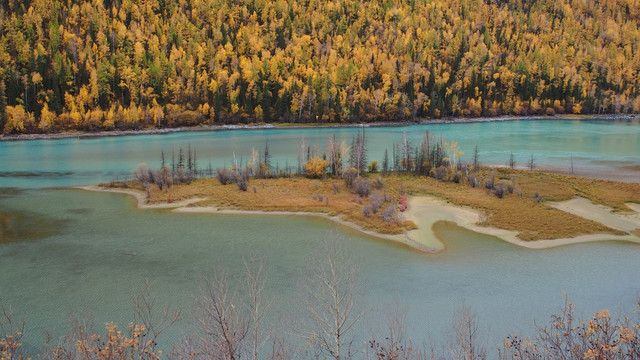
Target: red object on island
(403,203)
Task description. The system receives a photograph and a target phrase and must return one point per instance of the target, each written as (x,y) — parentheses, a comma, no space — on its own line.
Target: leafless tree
(330,290)
(344,152)
(531,163)
(333,154)
(222,329)
(512,161)
(81,329)
(154,320)
(257,304)
(463,340)
(302,146)
(395,345)
(358,159)
(281,349)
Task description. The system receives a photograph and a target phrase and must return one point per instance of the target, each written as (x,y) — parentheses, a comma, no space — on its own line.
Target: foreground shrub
(376,201)
(366,210)
(378,183)
(472,180)
(349,177)
(362,186)
(439,173)
(242,178)
(225,176)
(389,214)
(599,337)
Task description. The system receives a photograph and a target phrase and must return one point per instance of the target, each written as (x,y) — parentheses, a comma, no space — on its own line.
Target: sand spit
(141,197)
(425,211)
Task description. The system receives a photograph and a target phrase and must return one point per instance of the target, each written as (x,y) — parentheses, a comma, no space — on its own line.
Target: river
(62,249)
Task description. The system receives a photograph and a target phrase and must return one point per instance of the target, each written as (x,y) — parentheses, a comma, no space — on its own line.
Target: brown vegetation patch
(533,220)
(283,194)
(559,187)
(518,210)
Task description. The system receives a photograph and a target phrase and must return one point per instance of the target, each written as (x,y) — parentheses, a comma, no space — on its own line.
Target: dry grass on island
(521,207)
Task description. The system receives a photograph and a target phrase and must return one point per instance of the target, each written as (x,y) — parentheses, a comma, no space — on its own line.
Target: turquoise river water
(62,249)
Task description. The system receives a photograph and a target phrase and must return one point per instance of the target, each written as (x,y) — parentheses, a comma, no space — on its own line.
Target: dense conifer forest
(121,64)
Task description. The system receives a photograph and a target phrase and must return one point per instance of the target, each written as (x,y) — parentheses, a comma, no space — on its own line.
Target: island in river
(534,209)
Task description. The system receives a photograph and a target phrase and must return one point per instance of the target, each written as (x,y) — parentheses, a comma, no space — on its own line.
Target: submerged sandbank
(425,211)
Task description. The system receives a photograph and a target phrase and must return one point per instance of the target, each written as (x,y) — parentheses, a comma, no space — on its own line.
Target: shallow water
(90,264)
(62,250)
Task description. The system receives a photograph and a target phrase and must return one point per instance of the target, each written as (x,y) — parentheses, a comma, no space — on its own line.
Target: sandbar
(425,211)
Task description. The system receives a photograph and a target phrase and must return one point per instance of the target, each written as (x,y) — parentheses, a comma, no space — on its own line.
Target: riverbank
(429,245)
(206,128)
(569,216)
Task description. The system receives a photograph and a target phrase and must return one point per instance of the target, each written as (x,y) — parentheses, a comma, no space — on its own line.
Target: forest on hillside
(121,64)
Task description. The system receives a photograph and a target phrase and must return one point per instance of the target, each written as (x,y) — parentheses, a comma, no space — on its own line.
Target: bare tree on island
(330,290)
(406,149)
(358,158)
(302,145)
(333,154)
(512,161)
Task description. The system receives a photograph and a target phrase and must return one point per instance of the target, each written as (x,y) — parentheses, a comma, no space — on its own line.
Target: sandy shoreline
(204,128)
(183,207)
(425,211)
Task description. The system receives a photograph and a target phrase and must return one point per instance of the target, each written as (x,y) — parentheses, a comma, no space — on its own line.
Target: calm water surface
(62,250)
(602,146)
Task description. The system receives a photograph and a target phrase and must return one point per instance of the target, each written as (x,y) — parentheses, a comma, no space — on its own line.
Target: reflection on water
(10,191)
(25,226)
(29,174)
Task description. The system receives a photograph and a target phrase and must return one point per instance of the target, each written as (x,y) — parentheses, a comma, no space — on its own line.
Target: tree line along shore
(95,65)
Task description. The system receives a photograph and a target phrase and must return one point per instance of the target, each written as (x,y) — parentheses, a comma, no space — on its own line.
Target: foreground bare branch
(330,290)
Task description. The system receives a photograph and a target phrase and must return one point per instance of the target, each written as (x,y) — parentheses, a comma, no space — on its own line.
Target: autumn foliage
(102,65)
(316,167)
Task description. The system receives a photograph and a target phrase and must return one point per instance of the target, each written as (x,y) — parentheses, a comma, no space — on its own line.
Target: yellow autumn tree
(316,167)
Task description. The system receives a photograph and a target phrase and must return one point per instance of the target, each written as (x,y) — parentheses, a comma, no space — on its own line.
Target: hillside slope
(103,64)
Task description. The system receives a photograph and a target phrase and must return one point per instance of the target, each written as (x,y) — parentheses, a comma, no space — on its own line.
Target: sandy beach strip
(425,211)
(183,206)
(600,213)
(141,197)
